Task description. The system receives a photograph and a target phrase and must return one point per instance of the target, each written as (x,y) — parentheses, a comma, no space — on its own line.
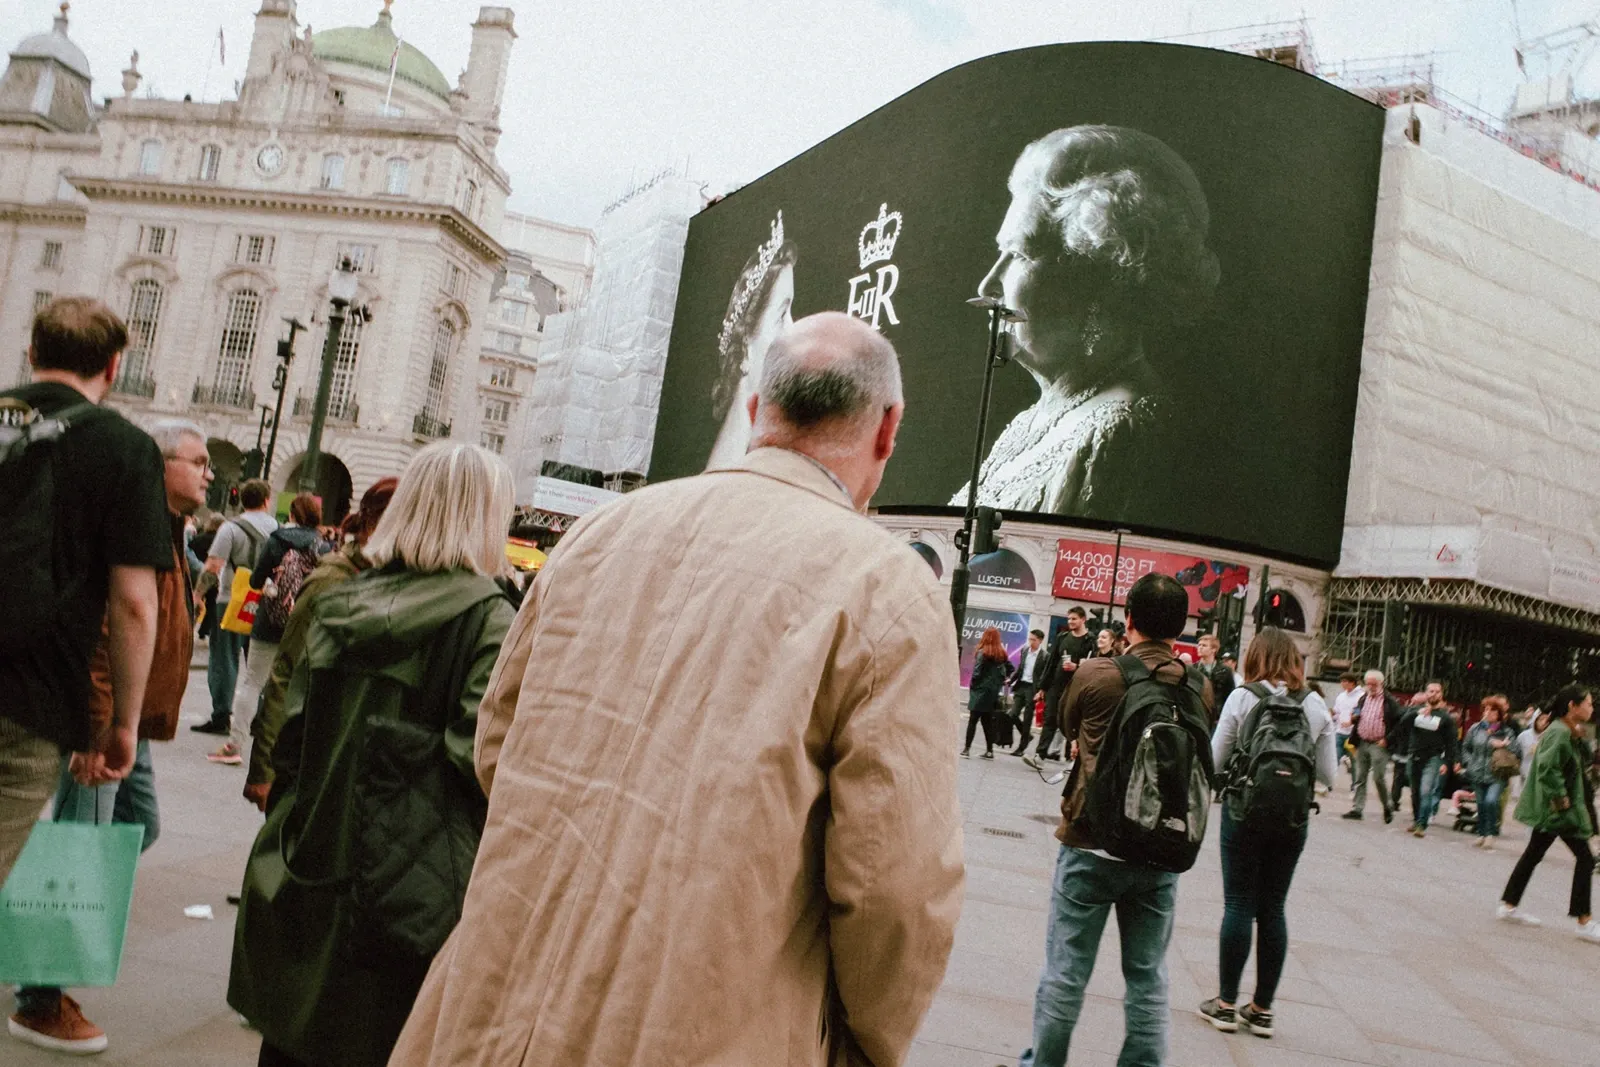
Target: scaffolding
(1558,133)
(1475,638)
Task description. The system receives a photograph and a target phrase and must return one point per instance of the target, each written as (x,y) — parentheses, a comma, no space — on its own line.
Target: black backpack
(1150,796)
(1271,775)
(28,580)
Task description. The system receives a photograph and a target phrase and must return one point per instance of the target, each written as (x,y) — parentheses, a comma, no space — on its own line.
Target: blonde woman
(359,872)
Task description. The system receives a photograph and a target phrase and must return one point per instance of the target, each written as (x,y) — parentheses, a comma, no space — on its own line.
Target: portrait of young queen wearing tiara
(1104,246)
(760,306)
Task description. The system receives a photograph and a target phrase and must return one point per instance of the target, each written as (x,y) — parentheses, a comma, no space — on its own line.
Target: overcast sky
(602,91)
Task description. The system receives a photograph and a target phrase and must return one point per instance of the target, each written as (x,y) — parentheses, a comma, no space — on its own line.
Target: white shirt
(1344,708)
(1030,664)
(1237,708)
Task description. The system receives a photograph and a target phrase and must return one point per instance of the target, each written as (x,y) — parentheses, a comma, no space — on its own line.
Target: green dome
(371,47)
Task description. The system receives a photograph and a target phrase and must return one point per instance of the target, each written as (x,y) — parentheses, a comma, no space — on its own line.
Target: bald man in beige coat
(738,844)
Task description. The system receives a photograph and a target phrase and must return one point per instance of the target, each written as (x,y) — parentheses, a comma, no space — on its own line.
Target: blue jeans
(1489,806)
(1256,873)
(222,671)
(1086,888)
(1425,789)
(132,800)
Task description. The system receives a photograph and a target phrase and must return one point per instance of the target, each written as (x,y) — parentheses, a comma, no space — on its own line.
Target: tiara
(749,285)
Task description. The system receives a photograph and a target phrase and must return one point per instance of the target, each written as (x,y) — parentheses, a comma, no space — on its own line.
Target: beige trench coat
(722,826)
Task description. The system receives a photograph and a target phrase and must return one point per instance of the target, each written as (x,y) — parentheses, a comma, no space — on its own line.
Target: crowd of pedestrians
(738,842)
(1271,727)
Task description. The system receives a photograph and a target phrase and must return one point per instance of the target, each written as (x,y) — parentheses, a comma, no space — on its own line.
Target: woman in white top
(1258,865)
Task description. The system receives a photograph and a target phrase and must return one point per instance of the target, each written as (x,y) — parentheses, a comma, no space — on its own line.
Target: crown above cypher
(880,248)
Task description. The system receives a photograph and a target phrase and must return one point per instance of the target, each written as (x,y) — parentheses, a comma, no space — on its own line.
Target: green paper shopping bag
(64,909)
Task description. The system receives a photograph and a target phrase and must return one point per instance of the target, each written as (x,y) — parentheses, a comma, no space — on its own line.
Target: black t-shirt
(111,510)
(1079,648)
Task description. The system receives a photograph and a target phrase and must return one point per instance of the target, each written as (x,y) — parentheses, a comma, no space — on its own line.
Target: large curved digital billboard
(1187,231)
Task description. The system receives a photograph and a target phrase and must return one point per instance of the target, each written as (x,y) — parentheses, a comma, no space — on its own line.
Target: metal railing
(425,425)
(240,397)
(340,409)
(135,385)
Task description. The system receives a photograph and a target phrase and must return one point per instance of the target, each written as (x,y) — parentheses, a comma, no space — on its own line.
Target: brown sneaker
(62,1030)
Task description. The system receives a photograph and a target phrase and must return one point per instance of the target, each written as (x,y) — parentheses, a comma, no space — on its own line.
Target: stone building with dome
(209,225)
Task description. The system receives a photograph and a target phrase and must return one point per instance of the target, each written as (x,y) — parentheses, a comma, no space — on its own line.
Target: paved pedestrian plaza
(1395,958)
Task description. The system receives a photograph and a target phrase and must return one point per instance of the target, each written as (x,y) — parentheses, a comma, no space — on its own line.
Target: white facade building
(548,270)
(207,225)
(594,402)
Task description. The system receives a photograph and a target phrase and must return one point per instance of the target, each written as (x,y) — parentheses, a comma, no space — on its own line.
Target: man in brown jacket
(1089,882)
(45,1016)
(740,844)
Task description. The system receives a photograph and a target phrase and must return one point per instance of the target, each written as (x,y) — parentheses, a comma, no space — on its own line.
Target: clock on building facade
(269,159)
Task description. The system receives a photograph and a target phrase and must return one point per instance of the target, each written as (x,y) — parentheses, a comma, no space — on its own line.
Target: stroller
(1466,803)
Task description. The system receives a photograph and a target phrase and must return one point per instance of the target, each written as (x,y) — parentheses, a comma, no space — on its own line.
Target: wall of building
(1477,442)
(243,198)
(1036,544)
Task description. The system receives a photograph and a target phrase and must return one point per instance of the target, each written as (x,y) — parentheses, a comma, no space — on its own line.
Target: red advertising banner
(1083,572)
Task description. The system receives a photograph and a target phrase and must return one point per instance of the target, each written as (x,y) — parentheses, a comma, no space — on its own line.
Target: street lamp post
(280,381)
(961,577)
(341,292)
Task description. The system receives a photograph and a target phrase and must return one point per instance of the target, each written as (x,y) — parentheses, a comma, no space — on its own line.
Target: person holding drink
(1070,648)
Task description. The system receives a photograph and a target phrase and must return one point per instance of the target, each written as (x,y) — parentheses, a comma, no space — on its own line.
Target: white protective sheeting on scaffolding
(1477,439)
(598,385)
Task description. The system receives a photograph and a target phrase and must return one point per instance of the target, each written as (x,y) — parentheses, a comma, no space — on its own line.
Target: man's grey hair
(864,379)
(1373,676)
(169,432)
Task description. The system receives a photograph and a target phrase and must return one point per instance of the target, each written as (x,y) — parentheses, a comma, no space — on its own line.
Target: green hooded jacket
(359,871)
(1557,772)
(332,569)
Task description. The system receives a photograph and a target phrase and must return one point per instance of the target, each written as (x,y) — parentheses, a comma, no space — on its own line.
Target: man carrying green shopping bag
(82,537)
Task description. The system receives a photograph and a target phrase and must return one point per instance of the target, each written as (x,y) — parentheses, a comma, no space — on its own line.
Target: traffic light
(983,541)
(1283,610)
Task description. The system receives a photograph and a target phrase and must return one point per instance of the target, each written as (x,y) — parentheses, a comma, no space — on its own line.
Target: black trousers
(979,715)
(1022,712)
(1052,719)
(1401,779)
(1582,870)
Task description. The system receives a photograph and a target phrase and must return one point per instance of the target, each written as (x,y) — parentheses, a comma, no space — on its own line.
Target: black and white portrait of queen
(1104,246)
(761,304)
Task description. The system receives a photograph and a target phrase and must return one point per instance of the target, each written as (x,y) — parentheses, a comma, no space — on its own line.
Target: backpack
(253,539)
(1271,775)
(28,580)
(1150,796)
(287,578)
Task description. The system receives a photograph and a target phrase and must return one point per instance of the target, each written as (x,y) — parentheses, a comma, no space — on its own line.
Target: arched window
(342,398)
(399,177)
(236,352)
(430,420)
(333,172)
(144,316)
